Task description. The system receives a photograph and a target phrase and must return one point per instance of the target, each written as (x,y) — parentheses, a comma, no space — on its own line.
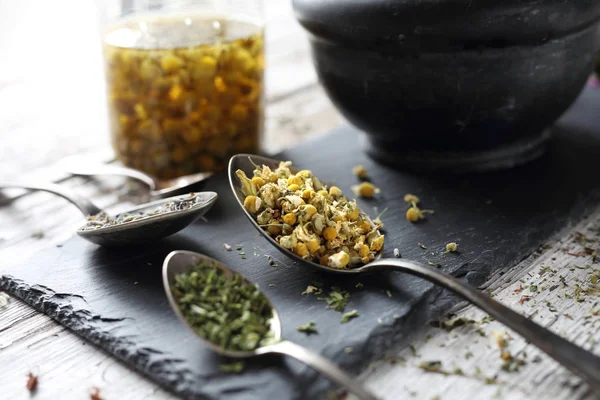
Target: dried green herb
(431,366)
(533,288)
(38,235)
(234,367)
(337,299)
(103,220)
(227,311)
(308,328)
(349,315)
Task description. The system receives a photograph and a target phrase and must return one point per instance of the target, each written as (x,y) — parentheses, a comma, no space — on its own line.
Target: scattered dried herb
(349,315)
(359,285)
(365,189)
(95,394)
(234,367)
(421,245)
(38,235)
(431,366)
(388,293)
(451,247)
(303,216)
(360,171)
(524,299)
(397,253)
(414,213)
(533,288)
(337,299)
(227,311)
(311,289)
(32,382)
(308,328)
(227,247)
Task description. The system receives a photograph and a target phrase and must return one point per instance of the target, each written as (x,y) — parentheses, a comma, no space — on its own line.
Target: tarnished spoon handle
(579,361)
(321,364)
(100,169)
(86,206)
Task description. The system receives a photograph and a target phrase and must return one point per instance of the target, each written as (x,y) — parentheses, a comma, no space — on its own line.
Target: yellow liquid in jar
(184,94)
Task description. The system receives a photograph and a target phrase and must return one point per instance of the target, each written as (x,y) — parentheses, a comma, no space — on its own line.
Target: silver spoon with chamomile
(318,226)
(141,224)
(233,317)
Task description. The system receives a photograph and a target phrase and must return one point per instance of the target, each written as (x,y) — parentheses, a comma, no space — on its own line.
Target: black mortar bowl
(452,84)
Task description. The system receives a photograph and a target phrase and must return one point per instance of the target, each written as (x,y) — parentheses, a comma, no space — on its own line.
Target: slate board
(114,297)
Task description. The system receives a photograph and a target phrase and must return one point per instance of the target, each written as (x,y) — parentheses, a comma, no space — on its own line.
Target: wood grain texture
(35,133)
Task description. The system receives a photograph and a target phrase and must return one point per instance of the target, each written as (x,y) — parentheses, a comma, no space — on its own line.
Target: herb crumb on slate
(365,189)
(234,367)
(32,382)
(308,328)
(347,350)
(389,294)
(360,171)
(349,315)
(359,285)
(227,247)
(311,289)
(337,299)
(397,253)
(451,247)
(414,213)
(421,245)
(38,235)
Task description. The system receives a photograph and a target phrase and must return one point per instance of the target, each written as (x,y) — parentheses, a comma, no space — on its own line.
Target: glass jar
(184,82)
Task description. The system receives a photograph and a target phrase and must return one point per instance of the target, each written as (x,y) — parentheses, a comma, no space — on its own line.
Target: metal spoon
(159,188)
(179,261)
(579,361)
(147,229)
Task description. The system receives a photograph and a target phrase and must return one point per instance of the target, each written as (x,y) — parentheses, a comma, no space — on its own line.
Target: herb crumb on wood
(32,382)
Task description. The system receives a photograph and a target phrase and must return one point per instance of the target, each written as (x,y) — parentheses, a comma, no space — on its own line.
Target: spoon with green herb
(318,226)
(141,224)
(234,317)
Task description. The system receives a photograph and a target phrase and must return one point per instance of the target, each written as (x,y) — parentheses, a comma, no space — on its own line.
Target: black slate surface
(114,297)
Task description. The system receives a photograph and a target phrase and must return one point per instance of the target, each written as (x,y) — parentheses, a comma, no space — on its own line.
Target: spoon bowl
(579,361)
(153,226)
(177,262)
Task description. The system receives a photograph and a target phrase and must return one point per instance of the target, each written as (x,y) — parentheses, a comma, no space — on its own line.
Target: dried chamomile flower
(414,214)
(411,199)
(451,247)
(365,189)
(360,171)
(306,217)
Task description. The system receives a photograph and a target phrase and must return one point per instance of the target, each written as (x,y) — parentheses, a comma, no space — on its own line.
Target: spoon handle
(77,168)
(321,364)
(581,362)
(84,205)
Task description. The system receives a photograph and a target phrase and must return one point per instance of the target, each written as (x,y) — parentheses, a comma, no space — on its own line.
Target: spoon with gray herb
(141,224)
(319,227)
(234,317)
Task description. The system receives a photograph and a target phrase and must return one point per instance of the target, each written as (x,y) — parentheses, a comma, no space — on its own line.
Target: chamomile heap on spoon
(304,216)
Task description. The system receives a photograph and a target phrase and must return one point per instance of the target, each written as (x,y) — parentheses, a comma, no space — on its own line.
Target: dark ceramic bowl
(455,84)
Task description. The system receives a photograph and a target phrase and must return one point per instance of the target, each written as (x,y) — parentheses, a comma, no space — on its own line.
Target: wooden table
(51,105)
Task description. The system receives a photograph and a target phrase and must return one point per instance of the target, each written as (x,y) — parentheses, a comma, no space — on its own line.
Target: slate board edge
(81,322)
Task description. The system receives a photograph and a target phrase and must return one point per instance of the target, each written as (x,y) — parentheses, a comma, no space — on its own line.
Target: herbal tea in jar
(184,92)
